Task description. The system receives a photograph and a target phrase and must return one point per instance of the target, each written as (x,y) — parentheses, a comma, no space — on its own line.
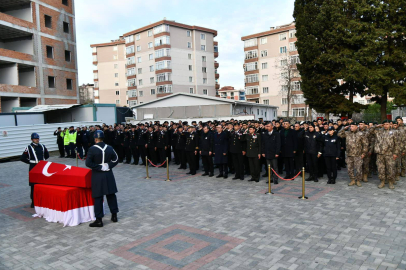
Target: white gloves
(105,167)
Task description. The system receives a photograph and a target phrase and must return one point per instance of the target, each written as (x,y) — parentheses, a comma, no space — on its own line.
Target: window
(189,56)
(251,54)
(51,82)
(69,84)
(264,53)
(284,101)
(152,80)
(250,42)
(141,93)
(298,112)
(188,34)
(251,66)
(95,76)
(151,68)
(294,59)
(65,2)
(282,49)
(265,90)
(190,79)
(140,82)
(264,40)
(129,39)
(129,49)
(282,36)
(266,101)
(284,113)
(164,88)
(204,70)
(296,86)
(117,101)
(130,71)
(264,65)
(163,77)
(115,48)
(152,91)
(117,93)
(204,80)
(149,45)
(132,93)
(132,103)
(163,65)
(298,99)
(203,36)
(264,78)
(203,58)
(292,46)
(162,53)
(115,75)
(191,90)
(284,88)
(284,75)
(138,48)
(131,60)
(251,78)
(48,21)
(284,62)
(66,27)
(131,83)
(140,71)
(115,66)
(151,56)
(292,33)
(139,59)
(161,28)
(189,45)
(205,92)
(116,84)
(190,67)
(50,52)
(138,37)
(162,40)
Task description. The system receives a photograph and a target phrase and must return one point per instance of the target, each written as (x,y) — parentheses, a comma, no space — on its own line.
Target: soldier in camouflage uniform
(402,158)
(369,138)
(357,149)
(387,149)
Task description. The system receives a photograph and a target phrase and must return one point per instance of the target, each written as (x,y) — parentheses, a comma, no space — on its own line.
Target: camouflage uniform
(367,158)
(356,146)
(386,145)
(402,158)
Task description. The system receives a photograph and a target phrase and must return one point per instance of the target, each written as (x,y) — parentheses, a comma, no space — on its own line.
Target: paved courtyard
(197,222)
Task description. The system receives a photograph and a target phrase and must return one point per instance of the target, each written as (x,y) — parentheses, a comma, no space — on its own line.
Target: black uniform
(174,142)
(103,182)
(180,148)
(331,151)
(150,141)
(142,151)
(312,148)
(236,146)
(271,146)
(299,150)
(126,146)
(191,146)
(161,144)
(79,143)
(133,146)
(288,147)
(253,150)
(60,143)
(32,154)
(206,146)
(118,139)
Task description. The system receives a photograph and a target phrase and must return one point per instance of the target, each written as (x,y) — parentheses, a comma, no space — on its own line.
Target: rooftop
(274,30)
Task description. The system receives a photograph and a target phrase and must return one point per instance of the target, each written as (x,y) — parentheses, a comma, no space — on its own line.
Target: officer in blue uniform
(102,159)
(32,154)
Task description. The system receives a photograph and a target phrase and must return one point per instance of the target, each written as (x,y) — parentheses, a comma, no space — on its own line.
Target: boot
(329,182)
(97,223)
(382,184)
(365,177)
(397,178)
(114,217)
(265,175)
(359,184)
(352,182)
(333,181)
(391,186)
(402,173)
(316,179)
(310,178)
(219,176)
(211,174)
(369,174)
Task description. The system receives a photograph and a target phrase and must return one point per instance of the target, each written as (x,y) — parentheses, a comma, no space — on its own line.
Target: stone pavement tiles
(179,223)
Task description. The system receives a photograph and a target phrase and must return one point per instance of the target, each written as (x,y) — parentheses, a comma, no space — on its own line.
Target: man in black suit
(206,151)
(300,148)
(288,148)
(236,147)
(271,147)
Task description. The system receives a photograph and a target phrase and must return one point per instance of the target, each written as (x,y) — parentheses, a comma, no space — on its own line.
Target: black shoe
(211,175)
(97,223)
(251,180)
(189,173)
(275,182)
(265,175)
(339,168)
(242,178)
(219,176)
(205,174)
(329,182)
(316,180)
(225,176)
(333,181)
(127,163)
(142,164)
(193,173)
(32,205)
(257,180)
(61,156)
(310,178)
(180,168)
(287,177)
(114,217)
(235,178)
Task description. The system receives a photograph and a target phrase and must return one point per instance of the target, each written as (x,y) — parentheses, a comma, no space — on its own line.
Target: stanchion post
(269,180)
(303,197)
(146,166)
(77,164)
(167,170)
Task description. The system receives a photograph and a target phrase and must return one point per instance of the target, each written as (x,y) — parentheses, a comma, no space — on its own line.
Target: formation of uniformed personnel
(102,159)
(34,153)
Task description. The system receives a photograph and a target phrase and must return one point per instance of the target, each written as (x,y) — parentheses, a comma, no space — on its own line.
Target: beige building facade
(270,70)
(154,61)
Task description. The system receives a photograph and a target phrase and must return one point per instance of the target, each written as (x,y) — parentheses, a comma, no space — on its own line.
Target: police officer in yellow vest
(72,141)
(65,136)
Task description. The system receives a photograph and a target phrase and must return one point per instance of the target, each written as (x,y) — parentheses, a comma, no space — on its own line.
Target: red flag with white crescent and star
(51,173)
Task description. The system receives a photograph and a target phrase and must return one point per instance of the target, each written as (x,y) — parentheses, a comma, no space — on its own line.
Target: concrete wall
(26,77)
(23,12)
(8,75)
(8,104)
(23,45)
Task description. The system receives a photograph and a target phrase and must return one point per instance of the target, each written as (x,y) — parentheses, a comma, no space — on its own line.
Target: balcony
(217,75)
(217,86)
(216,54)
(17,74)
(216,65)
(19,43)
(20,9)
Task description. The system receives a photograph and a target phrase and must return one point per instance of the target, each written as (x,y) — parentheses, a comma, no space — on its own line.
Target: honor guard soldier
(102,159)
(235,148)
(331,149)
(142,151)
(191,148)
(133,145)
(150,144)
(118,143)
(253,152)
(32,154)
(206,151)
(162,141)
(180,147)
(126,145)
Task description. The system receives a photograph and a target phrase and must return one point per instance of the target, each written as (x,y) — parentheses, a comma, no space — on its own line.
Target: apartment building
(37,53)
(160,59)
(228,92)
(86,93)
(110,81)
(270,70)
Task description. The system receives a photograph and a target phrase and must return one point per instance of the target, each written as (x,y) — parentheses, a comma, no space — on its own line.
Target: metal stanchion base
(303,198)
(147,177)
(270,193)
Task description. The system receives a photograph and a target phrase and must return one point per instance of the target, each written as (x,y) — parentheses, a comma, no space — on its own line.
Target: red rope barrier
(80,158)
(156,165)
(284,178)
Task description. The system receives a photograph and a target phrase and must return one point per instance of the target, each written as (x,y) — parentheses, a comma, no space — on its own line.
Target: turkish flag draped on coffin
(50,173)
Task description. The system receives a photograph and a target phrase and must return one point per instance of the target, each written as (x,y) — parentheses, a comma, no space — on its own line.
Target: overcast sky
(99,21)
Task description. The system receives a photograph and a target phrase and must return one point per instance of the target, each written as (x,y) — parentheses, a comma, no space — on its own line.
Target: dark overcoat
(288,143)
(206,143)
(220,147)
